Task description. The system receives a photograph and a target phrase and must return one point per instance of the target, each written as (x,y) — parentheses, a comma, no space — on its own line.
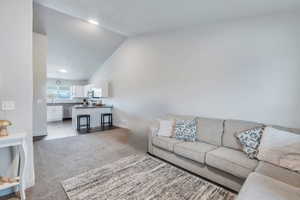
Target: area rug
(142,178)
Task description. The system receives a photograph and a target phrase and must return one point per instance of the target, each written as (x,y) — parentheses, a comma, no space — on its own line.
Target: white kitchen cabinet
(87,89)
(104,88)
(54,113)
(101,88)
(78,91)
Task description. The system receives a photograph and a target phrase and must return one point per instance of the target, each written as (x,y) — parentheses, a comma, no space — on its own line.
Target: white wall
(16,78)
(244,69)
(40,50)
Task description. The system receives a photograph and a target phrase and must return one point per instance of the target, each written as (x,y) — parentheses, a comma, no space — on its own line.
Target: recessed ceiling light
(62,71)
(92,21)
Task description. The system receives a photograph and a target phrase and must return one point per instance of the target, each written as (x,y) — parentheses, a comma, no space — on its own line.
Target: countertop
(88,107)
(66,103)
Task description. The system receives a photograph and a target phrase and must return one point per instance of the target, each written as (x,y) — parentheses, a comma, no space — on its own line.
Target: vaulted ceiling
(74,45)
(132,17)
(83,47)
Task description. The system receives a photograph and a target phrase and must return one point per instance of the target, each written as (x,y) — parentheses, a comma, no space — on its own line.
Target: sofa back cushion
(231,127)
(179,117)
(292,130)
(210,131)
(281,148)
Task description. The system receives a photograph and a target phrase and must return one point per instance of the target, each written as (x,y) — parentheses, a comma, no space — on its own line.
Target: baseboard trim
(120,125)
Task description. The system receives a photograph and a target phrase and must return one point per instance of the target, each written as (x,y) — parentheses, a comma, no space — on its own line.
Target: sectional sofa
(217,156)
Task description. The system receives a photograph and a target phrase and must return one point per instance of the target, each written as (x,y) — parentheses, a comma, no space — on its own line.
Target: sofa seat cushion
(165,143)
(258,186)
(278,173)
(231,161)
(195,151)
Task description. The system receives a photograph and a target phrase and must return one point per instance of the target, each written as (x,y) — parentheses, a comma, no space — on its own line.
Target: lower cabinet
(67,111)
(54,113)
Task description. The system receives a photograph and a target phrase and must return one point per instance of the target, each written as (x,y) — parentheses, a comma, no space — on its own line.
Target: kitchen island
(94,112)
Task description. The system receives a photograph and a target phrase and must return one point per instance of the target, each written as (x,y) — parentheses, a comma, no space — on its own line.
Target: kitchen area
(67,53)
(67,100)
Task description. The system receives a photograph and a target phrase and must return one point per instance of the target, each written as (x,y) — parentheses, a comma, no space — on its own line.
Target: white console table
(16,140)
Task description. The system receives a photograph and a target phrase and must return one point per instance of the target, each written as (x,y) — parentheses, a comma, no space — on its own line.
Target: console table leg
(22,170)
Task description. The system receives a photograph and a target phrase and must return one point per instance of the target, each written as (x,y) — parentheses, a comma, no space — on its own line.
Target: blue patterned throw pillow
(186,130)
(250,140)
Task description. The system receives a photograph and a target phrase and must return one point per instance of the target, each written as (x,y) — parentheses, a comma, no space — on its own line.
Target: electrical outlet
(8,105)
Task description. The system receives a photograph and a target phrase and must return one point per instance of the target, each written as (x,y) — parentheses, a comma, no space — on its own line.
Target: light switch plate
(8,105)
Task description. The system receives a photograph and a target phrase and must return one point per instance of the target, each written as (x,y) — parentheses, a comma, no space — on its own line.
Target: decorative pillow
(281,148)
(166,128)
(250,140)
(186,130)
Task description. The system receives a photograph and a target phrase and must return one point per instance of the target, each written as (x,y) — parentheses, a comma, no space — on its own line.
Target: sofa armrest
(152,131)
(279,173)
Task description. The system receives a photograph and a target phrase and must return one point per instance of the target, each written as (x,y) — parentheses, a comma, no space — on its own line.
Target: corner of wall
(94,76)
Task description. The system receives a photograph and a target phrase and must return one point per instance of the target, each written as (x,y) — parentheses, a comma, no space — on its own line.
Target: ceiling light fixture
(62,71)
(92,21)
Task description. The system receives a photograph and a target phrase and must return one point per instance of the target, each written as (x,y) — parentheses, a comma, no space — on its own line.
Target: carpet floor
(142,177)
(59,159)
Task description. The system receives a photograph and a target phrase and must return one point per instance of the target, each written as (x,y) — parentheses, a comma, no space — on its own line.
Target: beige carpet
(142,177)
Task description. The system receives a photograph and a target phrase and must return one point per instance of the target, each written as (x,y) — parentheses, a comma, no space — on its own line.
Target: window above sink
(59,92)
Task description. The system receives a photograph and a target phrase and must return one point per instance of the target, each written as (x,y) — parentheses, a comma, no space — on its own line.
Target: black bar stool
(86,125)
(109,122)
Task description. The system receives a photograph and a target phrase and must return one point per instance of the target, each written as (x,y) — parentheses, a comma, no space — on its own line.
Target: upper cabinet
(102,88)
(88,90)
(78,91)
(98,90)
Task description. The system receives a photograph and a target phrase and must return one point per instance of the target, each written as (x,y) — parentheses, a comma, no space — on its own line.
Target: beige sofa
(217,156)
